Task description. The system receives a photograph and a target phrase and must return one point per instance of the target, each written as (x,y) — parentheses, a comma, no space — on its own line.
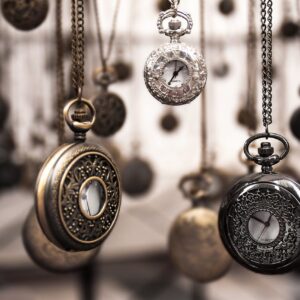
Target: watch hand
(257,219)
(262,233)
(175,74)
(268,222)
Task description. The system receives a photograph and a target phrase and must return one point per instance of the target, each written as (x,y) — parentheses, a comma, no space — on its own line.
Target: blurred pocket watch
(226,7)
(48,256)
(110,108)
(169,121)
(137,176)
(78,190)
(175,73)
(25,14)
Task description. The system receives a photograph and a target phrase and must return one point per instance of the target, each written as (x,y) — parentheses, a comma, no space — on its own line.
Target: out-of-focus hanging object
(221,67)
(175,73)
(110,108)
(163,5)
(169,121)
(289,28)
(247,114)
(226,7)
(48,256)
(78,192)
(194,243)
(259,219)
(25,14)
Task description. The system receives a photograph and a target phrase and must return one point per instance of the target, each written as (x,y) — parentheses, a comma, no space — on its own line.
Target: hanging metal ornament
(123,70)
(47,255)
(195,245)
(169,122)
(289,28)
(110,108)
(175,73)
(259,219)
(226,7)
(25,14)
(137,177)
(78,192)
(221,68)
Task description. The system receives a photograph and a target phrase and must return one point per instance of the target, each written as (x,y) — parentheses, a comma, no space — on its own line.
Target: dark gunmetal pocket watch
(78,192)
(259,219)
(25,14)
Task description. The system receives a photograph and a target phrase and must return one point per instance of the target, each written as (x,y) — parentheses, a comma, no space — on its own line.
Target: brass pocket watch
(175,73)
(47,255)
(78,192)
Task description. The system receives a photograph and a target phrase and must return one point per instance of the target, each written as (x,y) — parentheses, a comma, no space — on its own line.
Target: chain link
(78,45)
(60,88)
(266,44)
(104,58)
(174,4)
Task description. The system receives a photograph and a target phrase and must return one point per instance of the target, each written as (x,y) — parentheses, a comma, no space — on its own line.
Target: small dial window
(92,198)
(175,73)
(263,227)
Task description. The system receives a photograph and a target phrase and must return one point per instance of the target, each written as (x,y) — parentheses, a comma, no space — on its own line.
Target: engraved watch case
(78,192)
(175,73)
(259,218)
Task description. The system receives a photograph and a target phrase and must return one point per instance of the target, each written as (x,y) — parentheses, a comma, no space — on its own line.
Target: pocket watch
(78,192)
(259,218)
(110,108)
(175,73)
(47,255)
(25,14)
(195,245)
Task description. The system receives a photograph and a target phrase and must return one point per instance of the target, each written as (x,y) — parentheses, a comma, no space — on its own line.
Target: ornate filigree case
(260,216)
(175,73)
(78,192)
(25,14)
(110,108)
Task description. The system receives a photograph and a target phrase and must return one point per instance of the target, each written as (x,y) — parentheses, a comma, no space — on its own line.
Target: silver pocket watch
(175,73)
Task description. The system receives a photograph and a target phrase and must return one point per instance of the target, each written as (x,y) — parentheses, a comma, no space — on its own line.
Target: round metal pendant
(25,14)
(110,114)
(169,122)
(175,74)
(47,255)
(260,222)
(195,245)
(78,196)
(137,177)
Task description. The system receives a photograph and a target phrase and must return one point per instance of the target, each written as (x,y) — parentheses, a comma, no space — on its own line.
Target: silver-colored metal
(175,73)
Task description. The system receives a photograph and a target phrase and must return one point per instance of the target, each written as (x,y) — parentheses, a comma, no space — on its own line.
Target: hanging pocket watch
(175,73)
(47,255)
(25,14)
(110,108)
(259,219)
(78,190)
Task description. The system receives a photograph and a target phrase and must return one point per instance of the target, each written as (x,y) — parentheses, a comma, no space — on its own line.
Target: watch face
(175,73)
(260,226)
(263,227)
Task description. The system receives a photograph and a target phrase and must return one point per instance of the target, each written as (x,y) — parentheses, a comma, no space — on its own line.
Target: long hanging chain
(104,58)
(60,93)
(78,46)
(266,41)
(251,66)
(203,140)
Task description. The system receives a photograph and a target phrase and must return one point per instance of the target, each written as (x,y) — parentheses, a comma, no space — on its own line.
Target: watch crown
(265,149)
(174,24)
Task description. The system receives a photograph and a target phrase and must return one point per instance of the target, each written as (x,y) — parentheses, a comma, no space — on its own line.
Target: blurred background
(133,262)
